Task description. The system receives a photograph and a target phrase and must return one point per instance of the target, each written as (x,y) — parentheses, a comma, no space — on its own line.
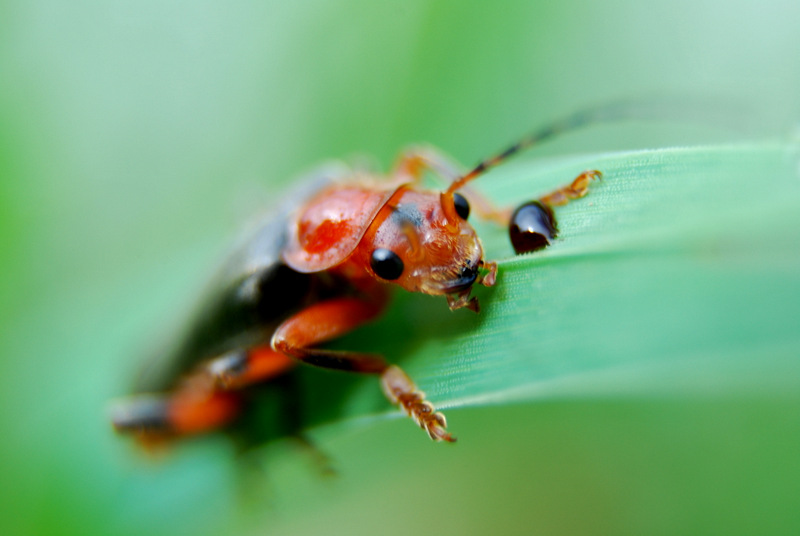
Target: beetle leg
(400,390)
(202,401)
(194,407)
(489,278)
(413,163)
(416,160)
(322,322)
(579,187)
(239,368)
(329,319)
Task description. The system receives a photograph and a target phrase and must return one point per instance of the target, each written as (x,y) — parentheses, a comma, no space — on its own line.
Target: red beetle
(321,268)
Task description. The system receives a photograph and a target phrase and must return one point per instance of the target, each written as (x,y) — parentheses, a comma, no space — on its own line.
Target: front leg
(333,318)
(578,188)
(400,390)
(533,224)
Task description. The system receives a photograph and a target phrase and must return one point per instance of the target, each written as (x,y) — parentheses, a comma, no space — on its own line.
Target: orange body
(322,269)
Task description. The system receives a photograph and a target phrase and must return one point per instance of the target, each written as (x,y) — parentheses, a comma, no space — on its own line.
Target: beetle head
(423,242)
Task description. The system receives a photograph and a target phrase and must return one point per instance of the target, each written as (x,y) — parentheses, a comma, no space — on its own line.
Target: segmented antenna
(609,112)
(697,110)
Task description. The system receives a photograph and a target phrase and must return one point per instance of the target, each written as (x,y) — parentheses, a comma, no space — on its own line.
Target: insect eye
(462,206)
(386,264)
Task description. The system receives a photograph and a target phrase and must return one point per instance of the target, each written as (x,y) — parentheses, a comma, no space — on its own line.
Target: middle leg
(330,319)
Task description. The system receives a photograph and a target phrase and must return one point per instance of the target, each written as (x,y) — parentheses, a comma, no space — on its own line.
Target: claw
(575,190)
(436,428)
(401,391)
(580,186)
(489,278)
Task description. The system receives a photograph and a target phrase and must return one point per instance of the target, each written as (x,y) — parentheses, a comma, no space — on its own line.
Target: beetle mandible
(319,269)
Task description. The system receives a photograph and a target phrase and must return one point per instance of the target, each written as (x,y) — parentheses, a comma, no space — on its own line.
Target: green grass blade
(676,275)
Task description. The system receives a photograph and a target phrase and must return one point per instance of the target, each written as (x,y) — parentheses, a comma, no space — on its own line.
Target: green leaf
(676,275)
(644,370)
(638,377)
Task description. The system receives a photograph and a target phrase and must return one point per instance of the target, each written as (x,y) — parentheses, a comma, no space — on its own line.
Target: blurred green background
(640,376)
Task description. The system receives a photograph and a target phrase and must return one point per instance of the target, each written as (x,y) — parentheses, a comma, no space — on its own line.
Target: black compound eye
(462,206)
(386,264)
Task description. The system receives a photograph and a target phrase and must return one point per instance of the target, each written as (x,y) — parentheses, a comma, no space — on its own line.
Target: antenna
(694,110)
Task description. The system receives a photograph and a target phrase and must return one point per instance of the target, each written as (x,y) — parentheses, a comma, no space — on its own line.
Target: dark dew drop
(533,227)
